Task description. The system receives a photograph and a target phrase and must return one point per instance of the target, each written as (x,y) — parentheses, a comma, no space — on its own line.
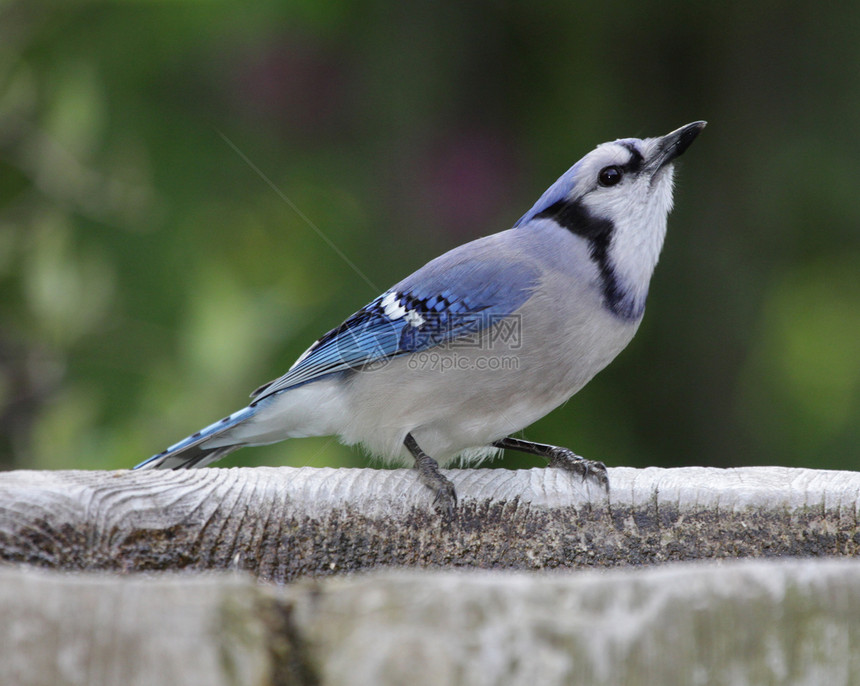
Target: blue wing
(455,295)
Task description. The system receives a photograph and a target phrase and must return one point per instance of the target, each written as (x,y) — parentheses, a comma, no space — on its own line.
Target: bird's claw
(590,470)
(446,498)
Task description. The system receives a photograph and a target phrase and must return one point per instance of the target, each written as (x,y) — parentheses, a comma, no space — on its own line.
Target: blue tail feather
(192,452)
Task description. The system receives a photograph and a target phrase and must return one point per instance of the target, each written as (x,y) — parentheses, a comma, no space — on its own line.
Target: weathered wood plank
(101,630)
(735,622)
(750,622)
(285,523)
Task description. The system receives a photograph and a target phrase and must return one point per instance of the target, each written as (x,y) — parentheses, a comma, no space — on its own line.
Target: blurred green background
(150,278)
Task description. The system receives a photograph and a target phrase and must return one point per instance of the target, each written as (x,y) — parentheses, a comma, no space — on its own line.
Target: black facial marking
(635,163)
(572,216)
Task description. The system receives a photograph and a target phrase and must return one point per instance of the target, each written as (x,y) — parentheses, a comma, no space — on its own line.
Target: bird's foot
(569,461)
(429,474)
(562,458)
(446,495)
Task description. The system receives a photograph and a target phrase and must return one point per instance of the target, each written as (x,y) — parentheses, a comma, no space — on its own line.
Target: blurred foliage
(154,269)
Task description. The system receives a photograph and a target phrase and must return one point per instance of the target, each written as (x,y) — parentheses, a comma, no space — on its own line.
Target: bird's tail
(193,451)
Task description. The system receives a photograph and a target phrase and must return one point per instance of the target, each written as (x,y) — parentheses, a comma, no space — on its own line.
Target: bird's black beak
(673,145)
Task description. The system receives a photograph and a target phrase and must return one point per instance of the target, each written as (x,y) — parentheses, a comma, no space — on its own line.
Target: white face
(618,198)
(628,183)
(623,180)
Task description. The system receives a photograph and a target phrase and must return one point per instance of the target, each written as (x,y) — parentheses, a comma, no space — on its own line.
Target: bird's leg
(428,472)
(563,458)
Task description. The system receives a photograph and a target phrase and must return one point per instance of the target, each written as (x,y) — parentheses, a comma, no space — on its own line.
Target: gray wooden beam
(726,623)
(284,523)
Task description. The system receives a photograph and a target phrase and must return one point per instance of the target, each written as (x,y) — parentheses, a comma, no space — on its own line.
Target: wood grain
(285,523)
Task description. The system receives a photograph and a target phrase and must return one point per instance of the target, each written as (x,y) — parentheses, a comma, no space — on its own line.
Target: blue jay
(484,340)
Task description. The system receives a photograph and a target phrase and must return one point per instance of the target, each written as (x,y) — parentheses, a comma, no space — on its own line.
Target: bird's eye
(609,176)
